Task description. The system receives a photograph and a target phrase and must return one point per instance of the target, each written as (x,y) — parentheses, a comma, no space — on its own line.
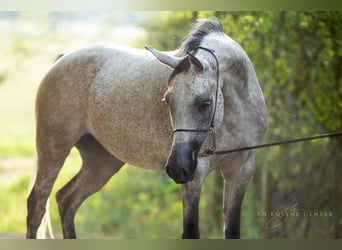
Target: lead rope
(272,144)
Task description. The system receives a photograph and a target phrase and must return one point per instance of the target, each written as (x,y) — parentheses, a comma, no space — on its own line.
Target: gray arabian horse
(107,102)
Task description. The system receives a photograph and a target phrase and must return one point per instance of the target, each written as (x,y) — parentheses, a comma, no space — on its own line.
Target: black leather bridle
(211,127)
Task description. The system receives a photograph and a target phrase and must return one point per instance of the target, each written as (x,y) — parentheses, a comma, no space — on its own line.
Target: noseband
(211,127)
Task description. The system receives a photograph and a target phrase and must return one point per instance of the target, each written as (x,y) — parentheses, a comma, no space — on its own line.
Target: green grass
(12,207)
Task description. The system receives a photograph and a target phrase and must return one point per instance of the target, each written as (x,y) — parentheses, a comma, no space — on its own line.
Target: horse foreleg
(190,197)
(191,193)
(235,184)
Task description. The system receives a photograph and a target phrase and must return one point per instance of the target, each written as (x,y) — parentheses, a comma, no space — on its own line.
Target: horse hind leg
(97,168)
(50,161)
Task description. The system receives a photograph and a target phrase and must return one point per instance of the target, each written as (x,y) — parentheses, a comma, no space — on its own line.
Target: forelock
(183,66)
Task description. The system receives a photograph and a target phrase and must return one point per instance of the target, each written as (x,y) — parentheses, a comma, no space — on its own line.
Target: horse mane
(202,28)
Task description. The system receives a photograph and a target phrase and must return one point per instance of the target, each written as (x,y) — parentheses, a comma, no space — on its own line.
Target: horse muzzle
(182,163)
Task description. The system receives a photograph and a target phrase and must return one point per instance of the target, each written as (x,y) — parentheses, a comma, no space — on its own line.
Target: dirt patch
(12,236)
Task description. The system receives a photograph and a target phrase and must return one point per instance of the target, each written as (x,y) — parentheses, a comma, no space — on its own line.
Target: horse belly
(135,142)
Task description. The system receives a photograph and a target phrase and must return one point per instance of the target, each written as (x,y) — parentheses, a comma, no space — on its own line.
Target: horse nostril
(194,159)
(185,172)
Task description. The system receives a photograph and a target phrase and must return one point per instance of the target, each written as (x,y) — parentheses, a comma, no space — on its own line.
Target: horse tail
(45,225)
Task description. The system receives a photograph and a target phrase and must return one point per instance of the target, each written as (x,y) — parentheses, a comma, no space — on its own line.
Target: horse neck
(236,71)
(243,97)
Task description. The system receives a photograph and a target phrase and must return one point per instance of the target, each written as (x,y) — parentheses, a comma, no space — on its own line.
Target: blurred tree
(166,30)
(301,53)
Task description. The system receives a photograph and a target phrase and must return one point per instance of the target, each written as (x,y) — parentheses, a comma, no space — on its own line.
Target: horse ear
(194,60)
(165,58)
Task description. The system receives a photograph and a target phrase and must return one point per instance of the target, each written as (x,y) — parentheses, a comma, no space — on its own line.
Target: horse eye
(204,106)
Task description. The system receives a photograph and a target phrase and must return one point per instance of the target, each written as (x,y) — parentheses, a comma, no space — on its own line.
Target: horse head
(195,104)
